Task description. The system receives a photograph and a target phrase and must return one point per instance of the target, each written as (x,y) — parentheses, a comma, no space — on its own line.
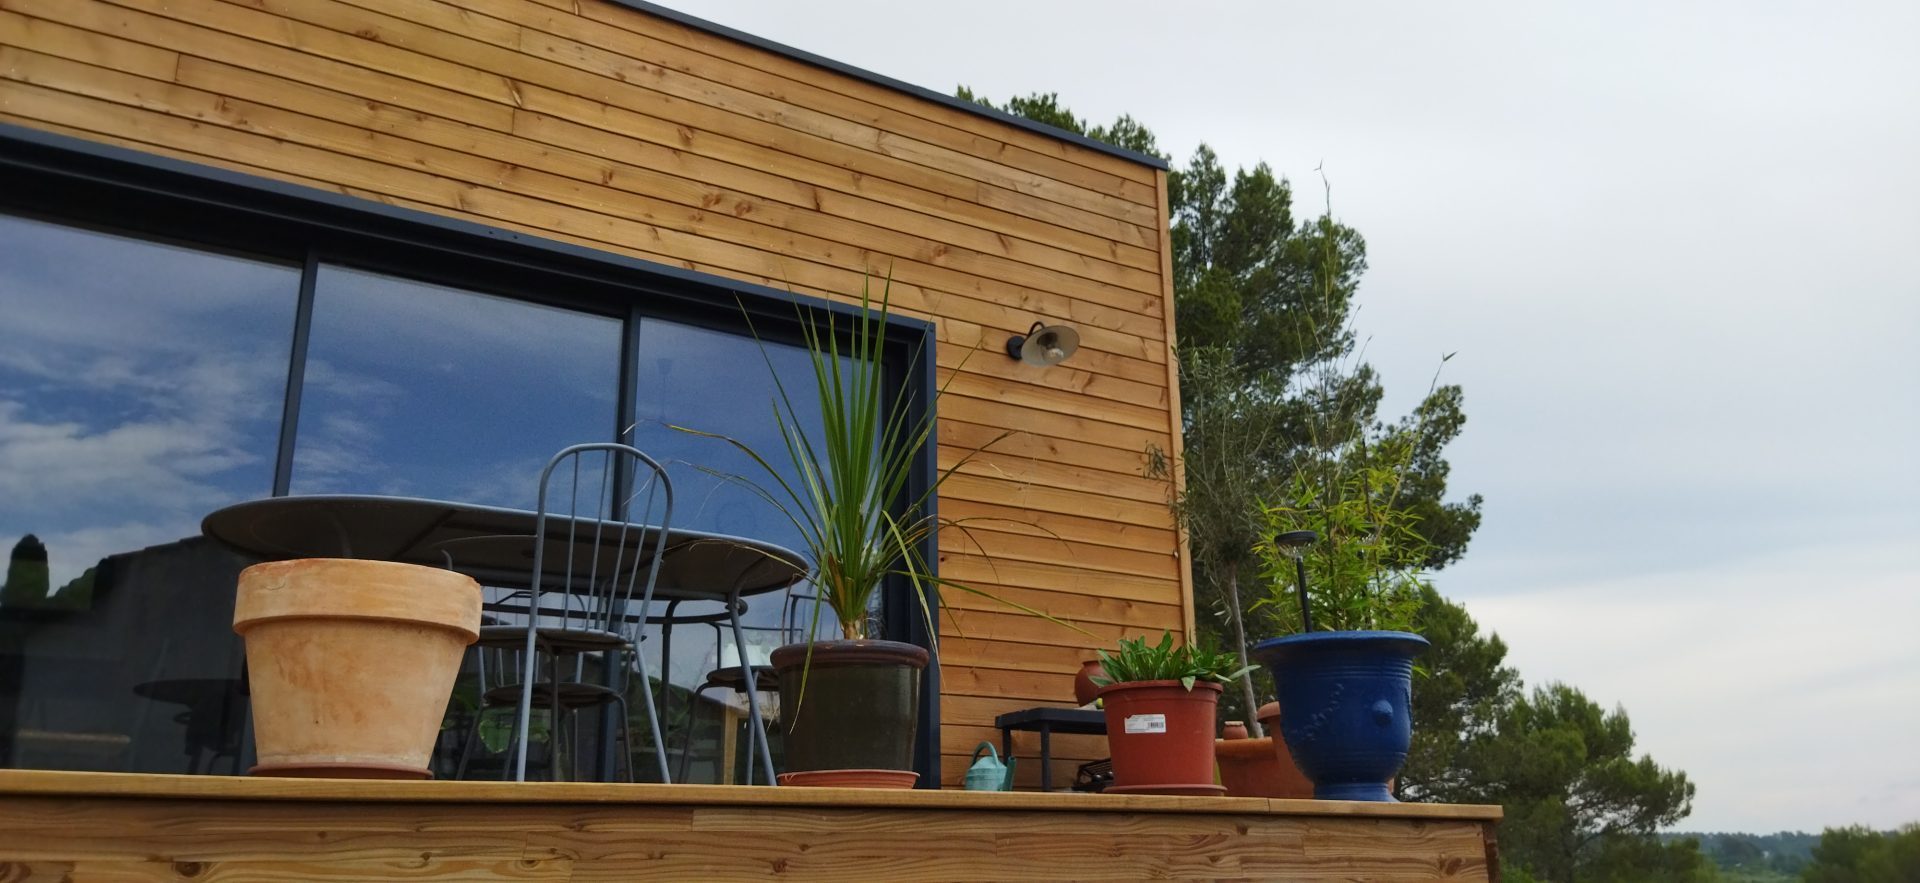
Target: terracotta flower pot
(1161,737)
(1084,689)
(351,663)
(1260,768)
(857,712)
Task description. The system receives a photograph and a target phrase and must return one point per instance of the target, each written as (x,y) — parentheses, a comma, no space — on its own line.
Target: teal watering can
(988,773)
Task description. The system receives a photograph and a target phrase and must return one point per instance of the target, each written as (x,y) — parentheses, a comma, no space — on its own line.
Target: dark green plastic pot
(859,707)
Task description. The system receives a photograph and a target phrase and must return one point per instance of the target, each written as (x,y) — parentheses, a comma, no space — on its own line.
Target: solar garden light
(1295,542)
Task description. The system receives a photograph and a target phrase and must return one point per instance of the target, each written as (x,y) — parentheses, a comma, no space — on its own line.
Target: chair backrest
(603,514)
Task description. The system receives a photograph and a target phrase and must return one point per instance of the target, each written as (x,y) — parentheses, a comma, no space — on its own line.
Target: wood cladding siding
(78,826)
(596,124)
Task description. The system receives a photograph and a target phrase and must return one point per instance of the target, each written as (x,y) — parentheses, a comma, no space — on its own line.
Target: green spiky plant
(1137,660)
(850,498)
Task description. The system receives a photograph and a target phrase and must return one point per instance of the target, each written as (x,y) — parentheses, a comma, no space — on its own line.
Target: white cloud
(1774,682)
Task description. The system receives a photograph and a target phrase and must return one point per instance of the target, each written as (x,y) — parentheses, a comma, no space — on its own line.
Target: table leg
(757,736)
(1046,756)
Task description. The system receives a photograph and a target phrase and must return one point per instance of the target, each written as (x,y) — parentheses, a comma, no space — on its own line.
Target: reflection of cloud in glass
(423,390)
(140,386)
(718,382)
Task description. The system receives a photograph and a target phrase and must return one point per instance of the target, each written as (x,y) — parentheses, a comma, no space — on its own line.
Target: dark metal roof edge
(802,55)
(14,136)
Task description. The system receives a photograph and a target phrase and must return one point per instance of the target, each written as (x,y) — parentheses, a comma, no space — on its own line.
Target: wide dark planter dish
(1343,707)
(1161,736)
(859,708)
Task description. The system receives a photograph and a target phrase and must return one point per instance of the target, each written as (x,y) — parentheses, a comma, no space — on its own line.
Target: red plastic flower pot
(1161,737)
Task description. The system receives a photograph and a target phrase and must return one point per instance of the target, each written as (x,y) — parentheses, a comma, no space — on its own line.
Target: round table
(494,545)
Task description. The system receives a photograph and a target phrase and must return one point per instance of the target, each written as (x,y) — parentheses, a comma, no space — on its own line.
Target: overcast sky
(1677,246)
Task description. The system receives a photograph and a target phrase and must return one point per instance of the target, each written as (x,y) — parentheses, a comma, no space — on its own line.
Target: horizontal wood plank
(1018,141)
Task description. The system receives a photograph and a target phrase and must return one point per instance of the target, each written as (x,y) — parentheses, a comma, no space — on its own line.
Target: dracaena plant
(1137,660)
(849,495)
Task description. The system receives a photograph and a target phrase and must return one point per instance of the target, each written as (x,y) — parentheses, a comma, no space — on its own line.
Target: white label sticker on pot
(1146,723)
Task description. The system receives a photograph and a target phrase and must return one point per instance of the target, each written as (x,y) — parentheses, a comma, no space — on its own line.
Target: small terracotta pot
(1232,730)
(351,663)
(1260,768)
(1161,737)
(1283,778)
(1269,717)
(1084,689)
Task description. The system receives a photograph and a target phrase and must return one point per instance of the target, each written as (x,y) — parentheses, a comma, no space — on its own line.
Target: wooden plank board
(261,792)
(1062,474)
(566,38)
(813,110)
(1176,452)
(134,24)
(1081,377)
(1017,141)
(961,651)
(1054,526)
(1022,628)
(484,70)
(980,538)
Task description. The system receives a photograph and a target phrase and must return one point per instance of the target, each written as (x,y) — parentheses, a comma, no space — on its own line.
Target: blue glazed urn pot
(1343,707)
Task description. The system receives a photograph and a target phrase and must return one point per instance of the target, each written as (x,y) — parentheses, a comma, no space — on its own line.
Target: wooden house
(267,247)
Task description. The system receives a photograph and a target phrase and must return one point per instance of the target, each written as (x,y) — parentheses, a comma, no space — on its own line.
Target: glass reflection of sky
(421,390)
(140,387)
(719,382)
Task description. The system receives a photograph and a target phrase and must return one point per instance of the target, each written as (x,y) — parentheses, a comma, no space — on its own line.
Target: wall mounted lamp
(1044,345)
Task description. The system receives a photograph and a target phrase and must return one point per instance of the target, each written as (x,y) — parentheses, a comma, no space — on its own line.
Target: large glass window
(144,385)
(141,386)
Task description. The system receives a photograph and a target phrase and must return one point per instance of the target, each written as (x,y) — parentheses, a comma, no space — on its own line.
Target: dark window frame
(70,180)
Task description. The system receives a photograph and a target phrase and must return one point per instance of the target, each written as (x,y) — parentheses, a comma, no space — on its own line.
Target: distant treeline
(1836,855)
(1784,854)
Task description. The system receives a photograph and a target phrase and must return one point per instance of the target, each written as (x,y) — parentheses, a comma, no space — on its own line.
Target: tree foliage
(1580,806)
(1463,689)
(1862,855)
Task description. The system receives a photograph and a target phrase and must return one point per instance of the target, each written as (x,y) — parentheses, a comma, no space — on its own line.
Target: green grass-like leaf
(849,496)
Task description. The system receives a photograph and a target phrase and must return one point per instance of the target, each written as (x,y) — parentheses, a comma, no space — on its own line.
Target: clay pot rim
(894,779)
(1275,651)
(460,615)
(1269,716)
(834,654)
(1250,748)
(1148,685)
(243,626)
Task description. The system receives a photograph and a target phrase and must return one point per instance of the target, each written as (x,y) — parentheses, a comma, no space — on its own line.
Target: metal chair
(496,664)
(593,547)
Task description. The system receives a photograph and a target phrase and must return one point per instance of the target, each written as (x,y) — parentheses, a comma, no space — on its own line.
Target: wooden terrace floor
(124,827)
